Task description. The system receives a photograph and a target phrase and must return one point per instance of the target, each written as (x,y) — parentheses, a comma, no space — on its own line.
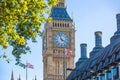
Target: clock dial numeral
(61,39)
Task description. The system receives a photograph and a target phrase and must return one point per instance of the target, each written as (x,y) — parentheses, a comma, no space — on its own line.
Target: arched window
(65,24)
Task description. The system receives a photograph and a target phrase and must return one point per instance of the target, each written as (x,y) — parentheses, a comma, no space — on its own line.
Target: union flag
(67,52)
(29,65)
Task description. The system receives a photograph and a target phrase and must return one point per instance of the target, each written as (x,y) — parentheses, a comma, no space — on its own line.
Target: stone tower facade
(58,35)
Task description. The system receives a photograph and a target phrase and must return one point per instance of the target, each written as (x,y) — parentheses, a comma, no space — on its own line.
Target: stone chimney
(117,33)
(83,54)
(118,22)
(98,39)
(83,50)
(98,43)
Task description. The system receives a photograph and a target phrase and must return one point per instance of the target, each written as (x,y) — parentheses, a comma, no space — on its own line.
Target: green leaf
(8,60)
(20,22)
(4,55)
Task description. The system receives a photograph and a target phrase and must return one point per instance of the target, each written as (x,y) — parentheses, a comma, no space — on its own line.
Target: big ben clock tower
(58,35)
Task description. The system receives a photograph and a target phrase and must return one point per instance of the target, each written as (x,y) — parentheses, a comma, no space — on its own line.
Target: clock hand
(61,38)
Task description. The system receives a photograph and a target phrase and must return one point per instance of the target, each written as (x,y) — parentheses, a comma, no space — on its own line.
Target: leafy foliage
(20,21)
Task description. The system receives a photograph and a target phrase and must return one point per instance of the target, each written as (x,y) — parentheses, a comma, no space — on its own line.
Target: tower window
(67,25)
(63,25)
(53,51)
(59,51)
(55,24)
(58,24)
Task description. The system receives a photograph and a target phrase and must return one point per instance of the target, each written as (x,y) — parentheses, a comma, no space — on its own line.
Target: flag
(29,65)
(67,52)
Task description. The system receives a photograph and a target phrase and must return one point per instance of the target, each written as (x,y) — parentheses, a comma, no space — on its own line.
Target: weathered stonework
(53,55)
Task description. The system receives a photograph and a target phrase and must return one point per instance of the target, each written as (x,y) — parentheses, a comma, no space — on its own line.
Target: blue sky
(89,16)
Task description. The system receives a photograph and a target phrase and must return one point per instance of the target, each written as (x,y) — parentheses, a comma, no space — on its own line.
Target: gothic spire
(12,76)
(35,77)
(19,78)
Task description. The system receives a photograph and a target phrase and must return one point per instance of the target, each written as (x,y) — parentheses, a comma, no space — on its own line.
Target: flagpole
(26,70)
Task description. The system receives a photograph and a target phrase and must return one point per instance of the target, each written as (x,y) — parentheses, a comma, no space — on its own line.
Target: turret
(98,43)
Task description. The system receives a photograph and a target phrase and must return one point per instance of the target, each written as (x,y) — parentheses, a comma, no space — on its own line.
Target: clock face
(61,39)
